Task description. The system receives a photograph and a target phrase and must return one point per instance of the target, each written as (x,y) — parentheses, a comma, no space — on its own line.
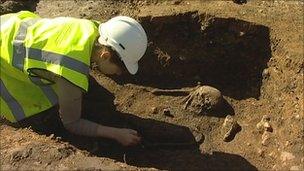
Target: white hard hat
(127,37)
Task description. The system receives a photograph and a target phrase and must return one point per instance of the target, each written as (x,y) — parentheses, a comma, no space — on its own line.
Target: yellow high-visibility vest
(60,45)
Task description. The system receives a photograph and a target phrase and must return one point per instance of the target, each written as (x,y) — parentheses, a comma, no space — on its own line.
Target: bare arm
(70,103)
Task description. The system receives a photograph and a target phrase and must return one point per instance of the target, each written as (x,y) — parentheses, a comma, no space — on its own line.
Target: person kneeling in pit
(45,62)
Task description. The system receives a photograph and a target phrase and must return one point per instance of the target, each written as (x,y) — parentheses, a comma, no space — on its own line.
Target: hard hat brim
(131,67)
(102,41)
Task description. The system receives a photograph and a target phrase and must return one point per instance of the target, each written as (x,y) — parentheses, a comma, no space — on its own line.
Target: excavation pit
(187,48)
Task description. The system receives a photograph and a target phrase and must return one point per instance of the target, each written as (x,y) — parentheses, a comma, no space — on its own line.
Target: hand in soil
(127,137)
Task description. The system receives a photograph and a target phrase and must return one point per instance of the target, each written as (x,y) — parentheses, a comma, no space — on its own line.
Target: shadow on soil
(226,53)
(165,146)
(221,111)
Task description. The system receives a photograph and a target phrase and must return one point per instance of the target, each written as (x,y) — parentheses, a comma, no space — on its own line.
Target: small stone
(83,15)
(265,138)
(272,154)
(230,128)
(261,152)
(242,33)
(154,110)
(51,136)
(62,167)
(264,125)
(228,121)
(176,2)
(20,153)
(58,138)
(167,112)
(248,144)
(267,127)
(265,73)
(259,127)
(37,162)
(286,156)
(229,136)
(296,168)
(266,118)
(287,143)
(199,138)
(302,160)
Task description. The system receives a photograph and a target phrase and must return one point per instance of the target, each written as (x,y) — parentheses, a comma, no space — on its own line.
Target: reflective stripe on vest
(54,58)
(19,51)
(12,103)
(19,54)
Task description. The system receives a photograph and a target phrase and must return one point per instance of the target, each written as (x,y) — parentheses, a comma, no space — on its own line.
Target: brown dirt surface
(252,52)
